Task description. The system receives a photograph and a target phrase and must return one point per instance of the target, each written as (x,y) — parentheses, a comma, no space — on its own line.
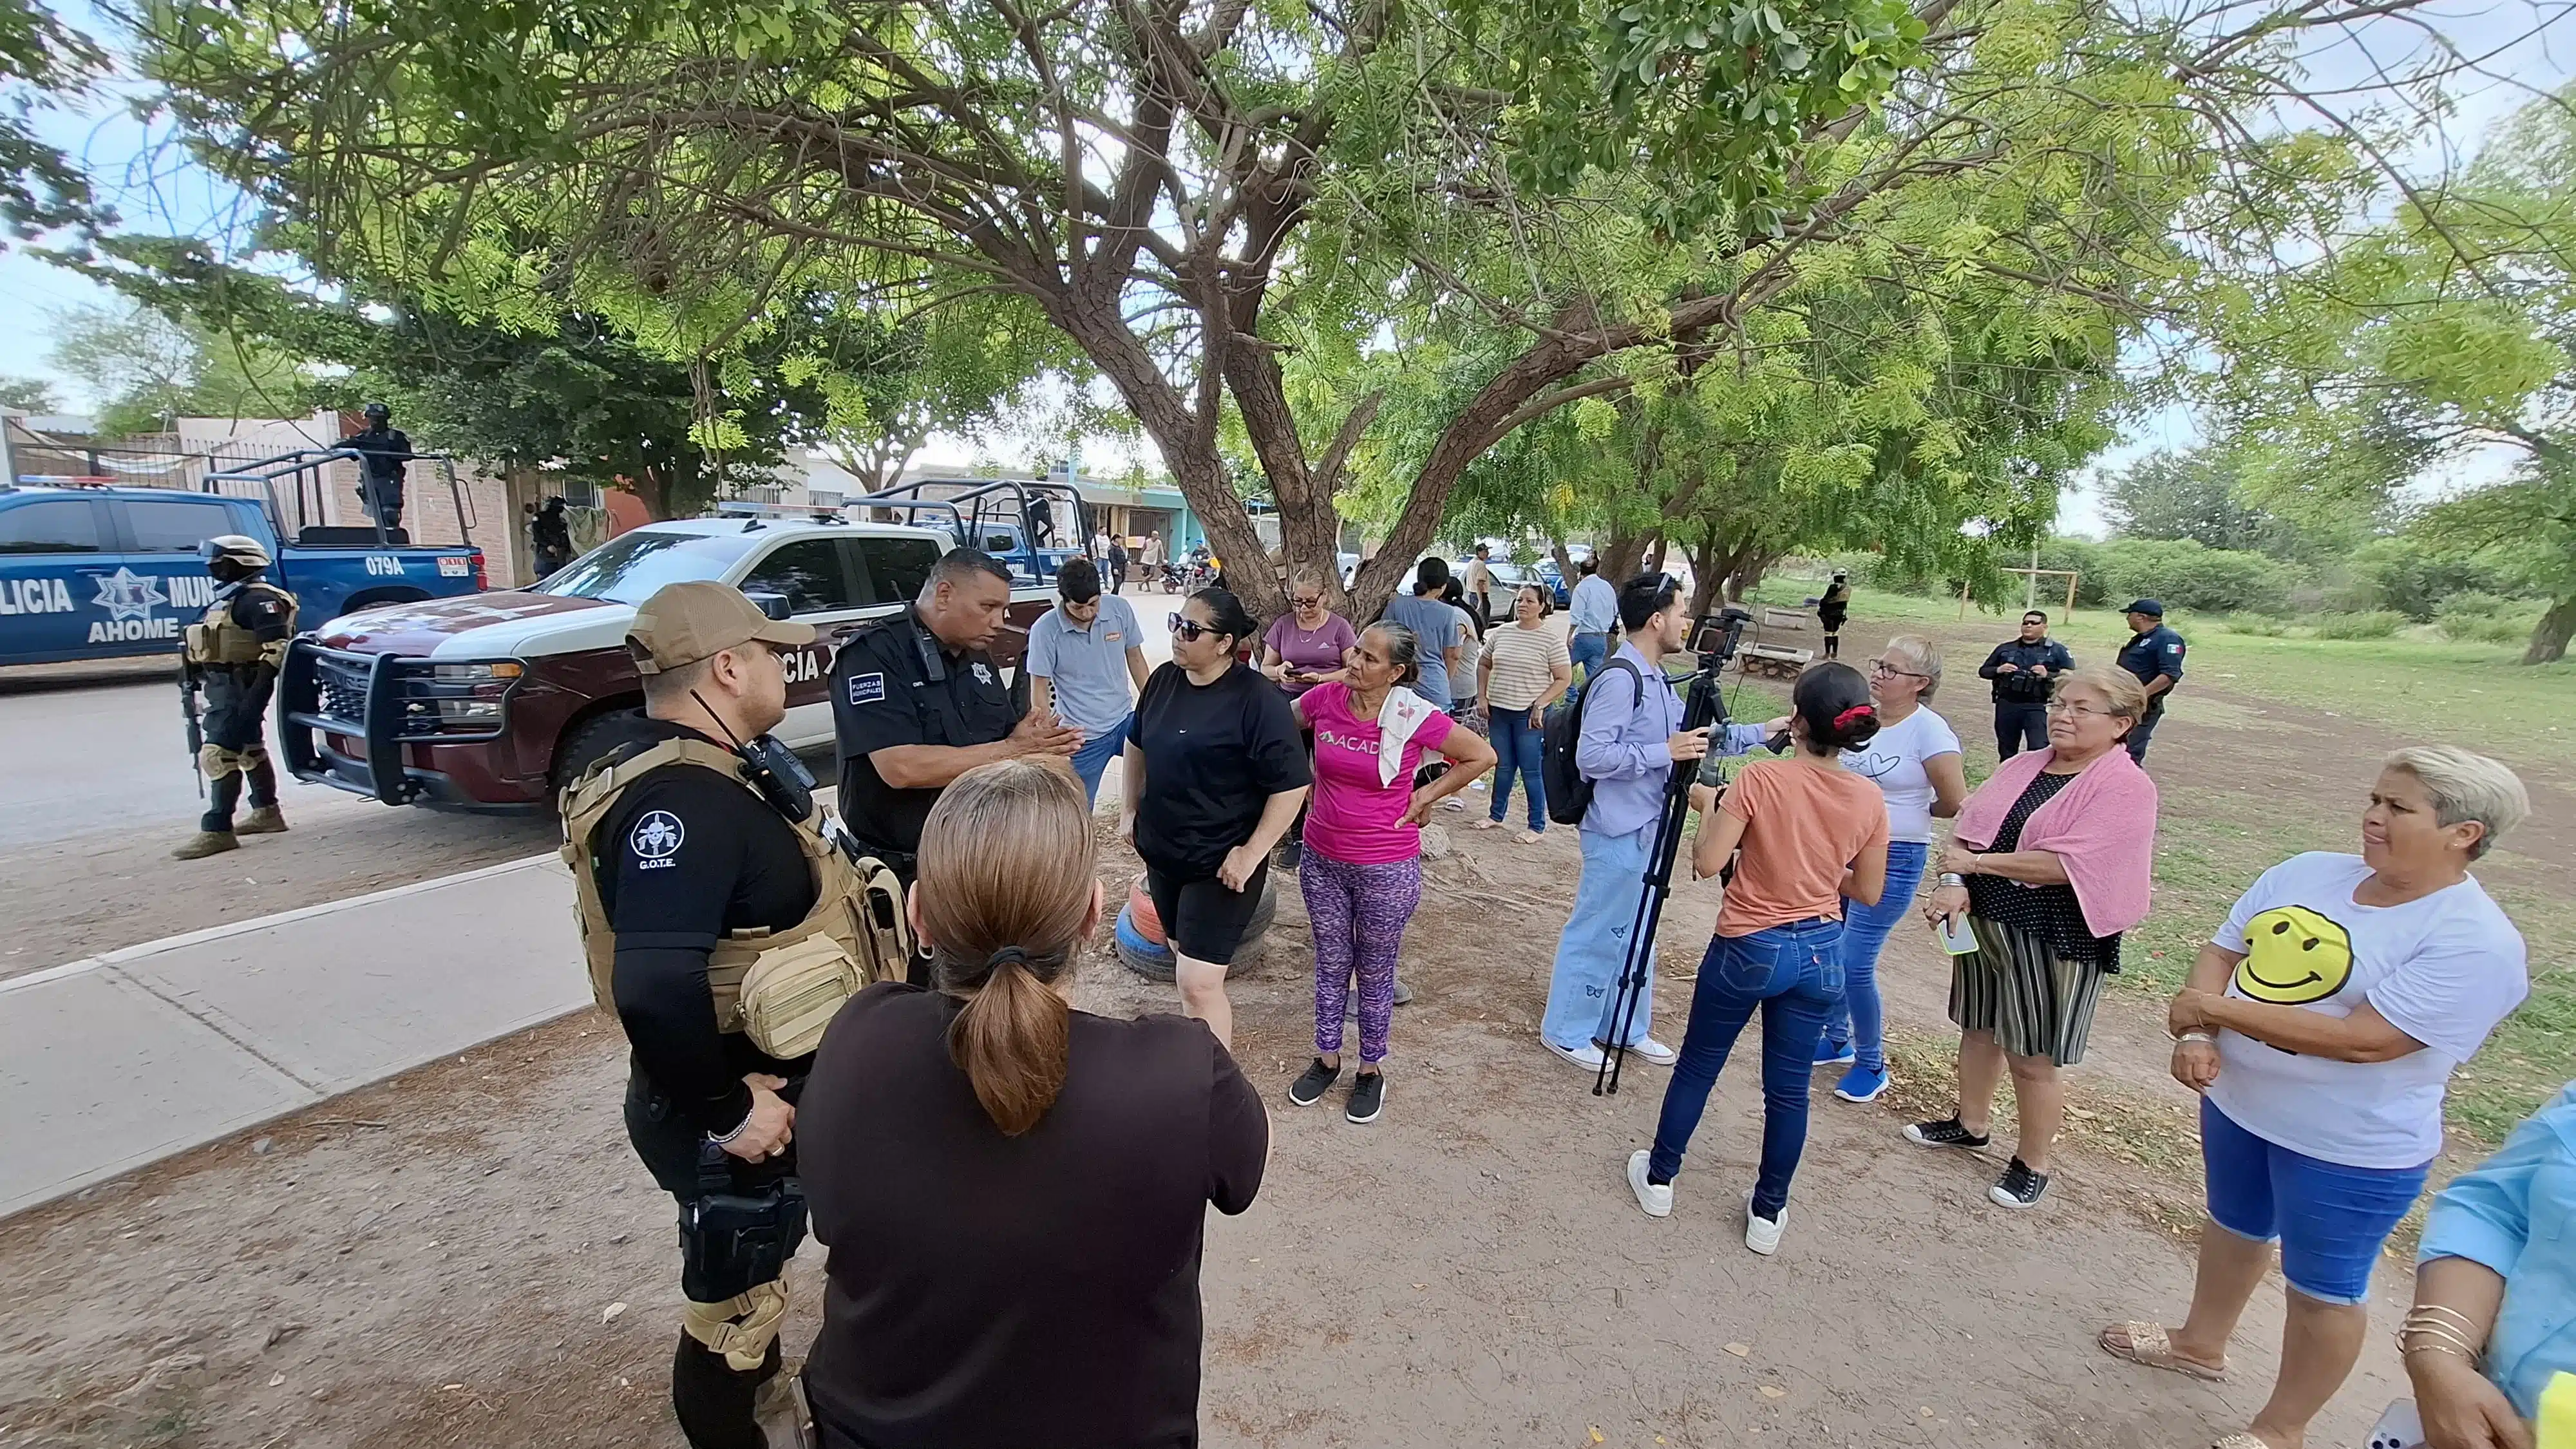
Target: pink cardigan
(2102,825)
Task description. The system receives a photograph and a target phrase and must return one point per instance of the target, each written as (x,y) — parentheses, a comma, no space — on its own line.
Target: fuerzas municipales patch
(867,689)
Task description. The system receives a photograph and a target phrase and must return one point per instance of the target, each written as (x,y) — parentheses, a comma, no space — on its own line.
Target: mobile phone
(1956,936)
(2400,1428)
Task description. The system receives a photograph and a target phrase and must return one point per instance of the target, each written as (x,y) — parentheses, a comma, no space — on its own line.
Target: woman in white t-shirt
(2320,1027)
(1914,758)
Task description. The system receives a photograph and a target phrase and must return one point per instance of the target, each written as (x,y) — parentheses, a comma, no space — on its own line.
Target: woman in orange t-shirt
(1811,833)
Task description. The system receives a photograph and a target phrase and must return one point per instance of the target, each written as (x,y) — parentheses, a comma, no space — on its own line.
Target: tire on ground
(1153,960)
(585,743)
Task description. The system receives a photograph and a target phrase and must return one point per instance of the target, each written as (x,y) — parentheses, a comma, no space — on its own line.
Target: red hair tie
(1844,720)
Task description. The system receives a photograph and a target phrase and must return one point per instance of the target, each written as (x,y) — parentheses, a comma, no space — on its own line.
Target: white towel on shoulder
(1397,719)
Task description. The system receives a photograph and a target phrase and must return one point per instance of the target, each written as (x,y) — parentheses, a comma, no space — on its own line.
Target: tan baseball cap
(684,623)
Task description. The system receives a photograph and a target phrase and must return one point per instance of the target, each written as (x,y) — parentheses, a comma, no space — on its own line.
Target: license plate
(455,568)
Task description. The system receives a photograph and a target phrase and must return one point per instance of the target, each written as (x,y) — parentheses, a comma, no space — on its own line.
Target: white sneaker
(1654,1051)
(1586,1056)
(1656,1200)
(1762,1235)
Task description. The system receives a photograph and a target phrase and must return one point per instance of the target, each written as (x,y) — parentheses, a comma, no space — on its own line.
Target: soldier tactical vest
(780,988)
(218,639)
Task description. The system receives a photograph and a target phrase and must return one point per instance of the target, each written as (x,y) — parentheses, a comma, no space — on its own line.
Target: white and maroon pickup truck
(491,702)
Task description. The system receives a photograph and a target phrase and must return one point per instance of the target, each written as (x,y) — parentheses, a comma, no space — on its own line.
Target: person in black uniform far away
(1832,610)
(387,448)
(550,538)
(917,702)
(2024,670)
(724,929)
(232,655)
(2154,654)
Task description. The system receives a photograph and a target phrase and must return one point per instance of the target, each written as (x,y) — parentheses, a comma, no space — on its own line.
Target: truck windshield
(627,569)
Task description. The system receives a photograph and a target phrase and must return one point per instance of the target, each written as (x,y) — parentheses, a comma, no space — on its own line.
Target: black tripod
(1714,639)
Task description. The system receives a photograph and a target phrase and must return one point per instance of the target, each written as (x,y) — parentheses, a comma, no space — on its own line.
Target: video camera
(1714,637)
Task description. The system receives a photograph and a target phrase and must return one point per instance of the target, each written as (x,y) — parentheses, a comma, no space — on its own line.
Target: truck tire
(1151,957)
(584,744)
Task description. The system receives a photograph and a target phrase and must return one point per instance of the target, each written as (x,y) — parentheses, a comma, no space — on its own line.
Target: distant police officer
(2024,671)
(724,928)
(918,702)
(386,448)
(2154,655)
(233,655)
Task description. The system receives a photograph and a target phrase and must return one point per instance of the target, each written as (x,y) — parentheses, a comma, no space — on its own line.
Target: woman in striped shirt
(1525,669)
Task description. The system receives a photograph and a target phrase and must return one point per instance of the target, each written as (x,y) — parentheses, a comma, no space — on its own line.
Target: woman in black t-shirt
(1213,778)
(1014,1192)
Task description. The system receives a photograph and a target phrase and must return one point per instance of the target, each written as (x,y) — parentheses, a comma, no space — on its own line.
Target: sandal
(2240,1441)
(2149,1345)
(1487,824)
(1530,837)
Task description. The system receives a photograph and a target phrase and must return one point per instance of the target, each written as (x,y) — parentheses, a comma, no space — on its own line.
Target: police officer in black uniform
(386,448)
(685,858)
(233,655)
(917,702)
(2154,655)
(2024,670)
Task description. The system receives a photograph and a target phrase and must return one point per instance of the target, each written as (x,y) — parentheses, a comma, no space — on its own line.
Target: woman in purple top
(1307,646)
(1310,644)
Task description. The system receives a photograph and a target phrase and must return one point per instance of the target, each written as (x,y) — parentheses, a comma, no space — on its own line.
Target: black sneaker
(2019,1187)
(1945,1133)
(1368,1098)
(1309,1087)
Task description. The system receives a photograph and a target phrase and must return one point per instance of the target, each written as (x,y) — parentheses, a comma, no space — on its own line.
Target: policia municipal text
(232,655)
(724,928)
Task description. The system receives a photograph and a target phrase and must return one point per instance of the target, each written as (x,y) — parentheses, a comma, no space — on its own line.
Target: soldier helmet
(377,412)
(237,549)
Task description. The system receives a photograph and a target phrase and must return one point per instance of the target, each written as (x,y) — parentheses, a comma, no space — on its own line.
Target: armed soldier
(232,655)
(724,925)
(386,449)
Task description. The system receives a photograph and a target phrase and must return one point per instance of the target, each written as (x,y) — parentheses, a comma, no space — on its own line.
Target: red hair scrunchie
(1856,712)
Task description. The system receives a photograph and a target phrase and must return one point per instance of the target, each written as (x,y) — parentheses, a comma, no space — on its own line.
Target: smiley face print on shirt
(2293,957)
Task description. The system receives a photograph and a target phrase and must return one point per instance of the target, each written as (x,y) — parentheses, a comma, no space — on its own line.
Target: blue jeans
(2331,1220)
(1793,973)
(1858,1018)
(1517,746)
(1092,760)
(1594,944)
(1589,651)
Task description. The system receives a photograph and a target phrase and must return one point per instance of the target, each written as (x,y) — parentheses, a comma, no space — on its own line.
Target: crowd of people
(961,1096)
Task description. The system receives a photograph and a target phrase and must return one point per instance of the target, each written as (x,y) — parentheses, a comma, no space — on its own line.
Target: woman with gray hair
(2321,1025)
(1914,760)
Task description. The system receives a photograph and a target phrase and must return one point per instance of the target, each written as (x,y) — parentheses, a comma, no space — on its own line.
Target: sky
(156,189)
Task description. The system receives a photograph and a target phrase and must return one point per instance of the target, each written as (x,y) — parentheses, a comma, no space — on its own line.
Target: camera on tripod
(1714,637)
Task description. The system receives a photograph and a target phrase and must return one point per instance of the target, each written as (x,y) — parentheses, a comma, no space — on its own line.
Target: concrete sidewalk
(116,1061)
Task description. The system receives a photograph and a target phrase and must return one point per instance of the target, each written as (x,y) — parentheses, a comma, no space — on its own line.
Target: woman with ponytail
(1013,1192)
(1806,835)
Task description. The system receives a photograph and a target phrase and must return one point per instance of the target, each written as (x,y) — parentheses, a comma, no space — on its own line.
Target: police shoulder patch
(656,838)
(867,688)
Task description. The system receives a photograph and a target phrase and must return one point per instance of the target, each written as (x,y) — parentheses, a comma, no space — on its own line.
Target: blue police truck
(107,573)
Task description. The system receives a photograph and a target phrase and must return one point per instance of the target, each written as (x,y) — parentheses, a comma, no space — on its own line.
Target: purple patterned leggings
(1357,913)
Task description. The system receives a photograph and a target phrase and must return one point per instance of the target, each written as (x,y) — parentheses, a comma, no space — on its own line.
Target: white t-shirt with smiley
(2444,970)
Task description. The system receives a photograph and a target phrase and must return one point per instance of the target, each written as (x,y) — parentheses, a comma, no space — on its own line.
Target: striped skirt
(2036,1004)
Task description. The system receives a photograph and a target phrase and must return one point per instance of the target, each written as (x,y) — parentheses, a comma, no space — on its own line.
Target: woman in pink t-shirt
(1363,870)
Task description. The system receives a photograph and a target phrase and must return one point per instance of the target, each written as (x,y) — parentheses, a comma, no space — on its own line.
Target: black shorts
(1201,918)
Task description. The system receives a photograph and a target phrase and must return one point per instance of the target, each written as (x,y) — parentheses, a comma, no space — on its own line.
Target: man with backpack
(1625,736)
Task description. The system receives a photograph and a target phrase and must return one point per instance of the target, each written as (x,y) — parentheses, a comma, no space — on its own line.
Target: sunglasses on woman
(1190,629)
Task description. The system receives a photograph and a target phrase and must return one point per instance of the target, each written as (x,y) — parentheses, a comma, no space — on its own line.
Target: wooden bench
(1773,661)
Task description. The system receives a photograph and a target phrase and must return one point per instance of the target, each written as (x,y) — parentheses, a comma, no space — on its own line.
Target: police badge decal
(656,840)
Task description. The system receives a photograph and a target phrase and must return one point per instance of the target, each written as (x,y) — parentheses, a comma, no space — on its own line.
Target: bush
(2483,618)
(2399,573)
(2185,575)
(2376,624)
(2269,628)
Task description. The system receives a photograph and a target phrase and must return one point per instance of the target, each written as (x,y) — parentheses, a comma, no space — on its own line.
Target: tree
(41,59)
(2422,341)
(150,370)
(29,395)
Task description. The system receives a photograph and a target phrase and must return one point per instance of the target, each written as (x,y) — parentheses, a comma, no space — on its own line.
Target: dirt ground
(470,1255)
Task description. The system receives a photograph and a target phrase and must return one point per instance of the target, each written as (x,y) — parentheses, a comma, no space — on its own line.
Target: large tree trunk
(1622,557)
(2549,637)
(1746,575)
(1708,572)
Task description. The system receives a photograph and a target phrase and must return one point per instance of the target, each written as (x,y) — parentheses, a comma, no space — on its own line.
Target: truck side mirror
(771,605)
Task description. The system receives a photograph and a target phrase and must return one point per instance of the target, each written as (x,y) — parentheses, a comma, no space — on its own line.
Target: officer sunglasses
(1190,629)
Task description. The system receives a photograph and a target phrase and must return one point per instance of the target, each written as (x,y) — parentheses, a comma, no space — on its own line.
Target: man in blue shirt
(2155,657)
(1596,613)
(1435,628)
(1631,739)
(1084,656)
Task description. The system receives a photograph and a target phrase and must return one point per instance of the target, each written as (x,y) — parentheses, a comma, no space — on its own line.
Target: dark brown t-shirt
(1016,1291)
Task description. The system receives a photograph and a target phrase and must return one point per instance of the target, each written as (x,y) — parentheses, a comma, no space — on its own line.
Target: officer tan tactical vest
(217,639)
(780,988)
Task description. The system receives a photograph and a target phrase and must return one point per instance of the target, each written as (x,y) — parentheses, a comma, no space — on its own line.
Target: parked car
(106,573)
(493,703)
(1508,578)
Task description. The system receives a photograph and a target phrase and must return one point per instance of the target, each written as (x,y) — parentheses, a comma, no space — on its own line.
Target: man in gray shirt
(1086,660)
(1435,629)
(1596,613)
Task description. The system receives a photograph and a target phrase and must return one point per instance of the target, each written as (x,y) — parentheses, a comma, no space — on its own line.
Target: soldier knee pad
(741,1327)
(219,762)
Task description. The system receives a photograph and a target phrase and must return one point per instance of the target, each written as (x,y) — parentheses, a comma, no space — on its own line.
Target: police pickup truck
(492,703)
(104,573)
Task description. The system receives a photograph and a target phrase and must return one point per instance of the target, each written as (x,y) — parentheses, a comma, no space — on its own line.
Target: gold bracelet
(2435,1338)
(2444,1310)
